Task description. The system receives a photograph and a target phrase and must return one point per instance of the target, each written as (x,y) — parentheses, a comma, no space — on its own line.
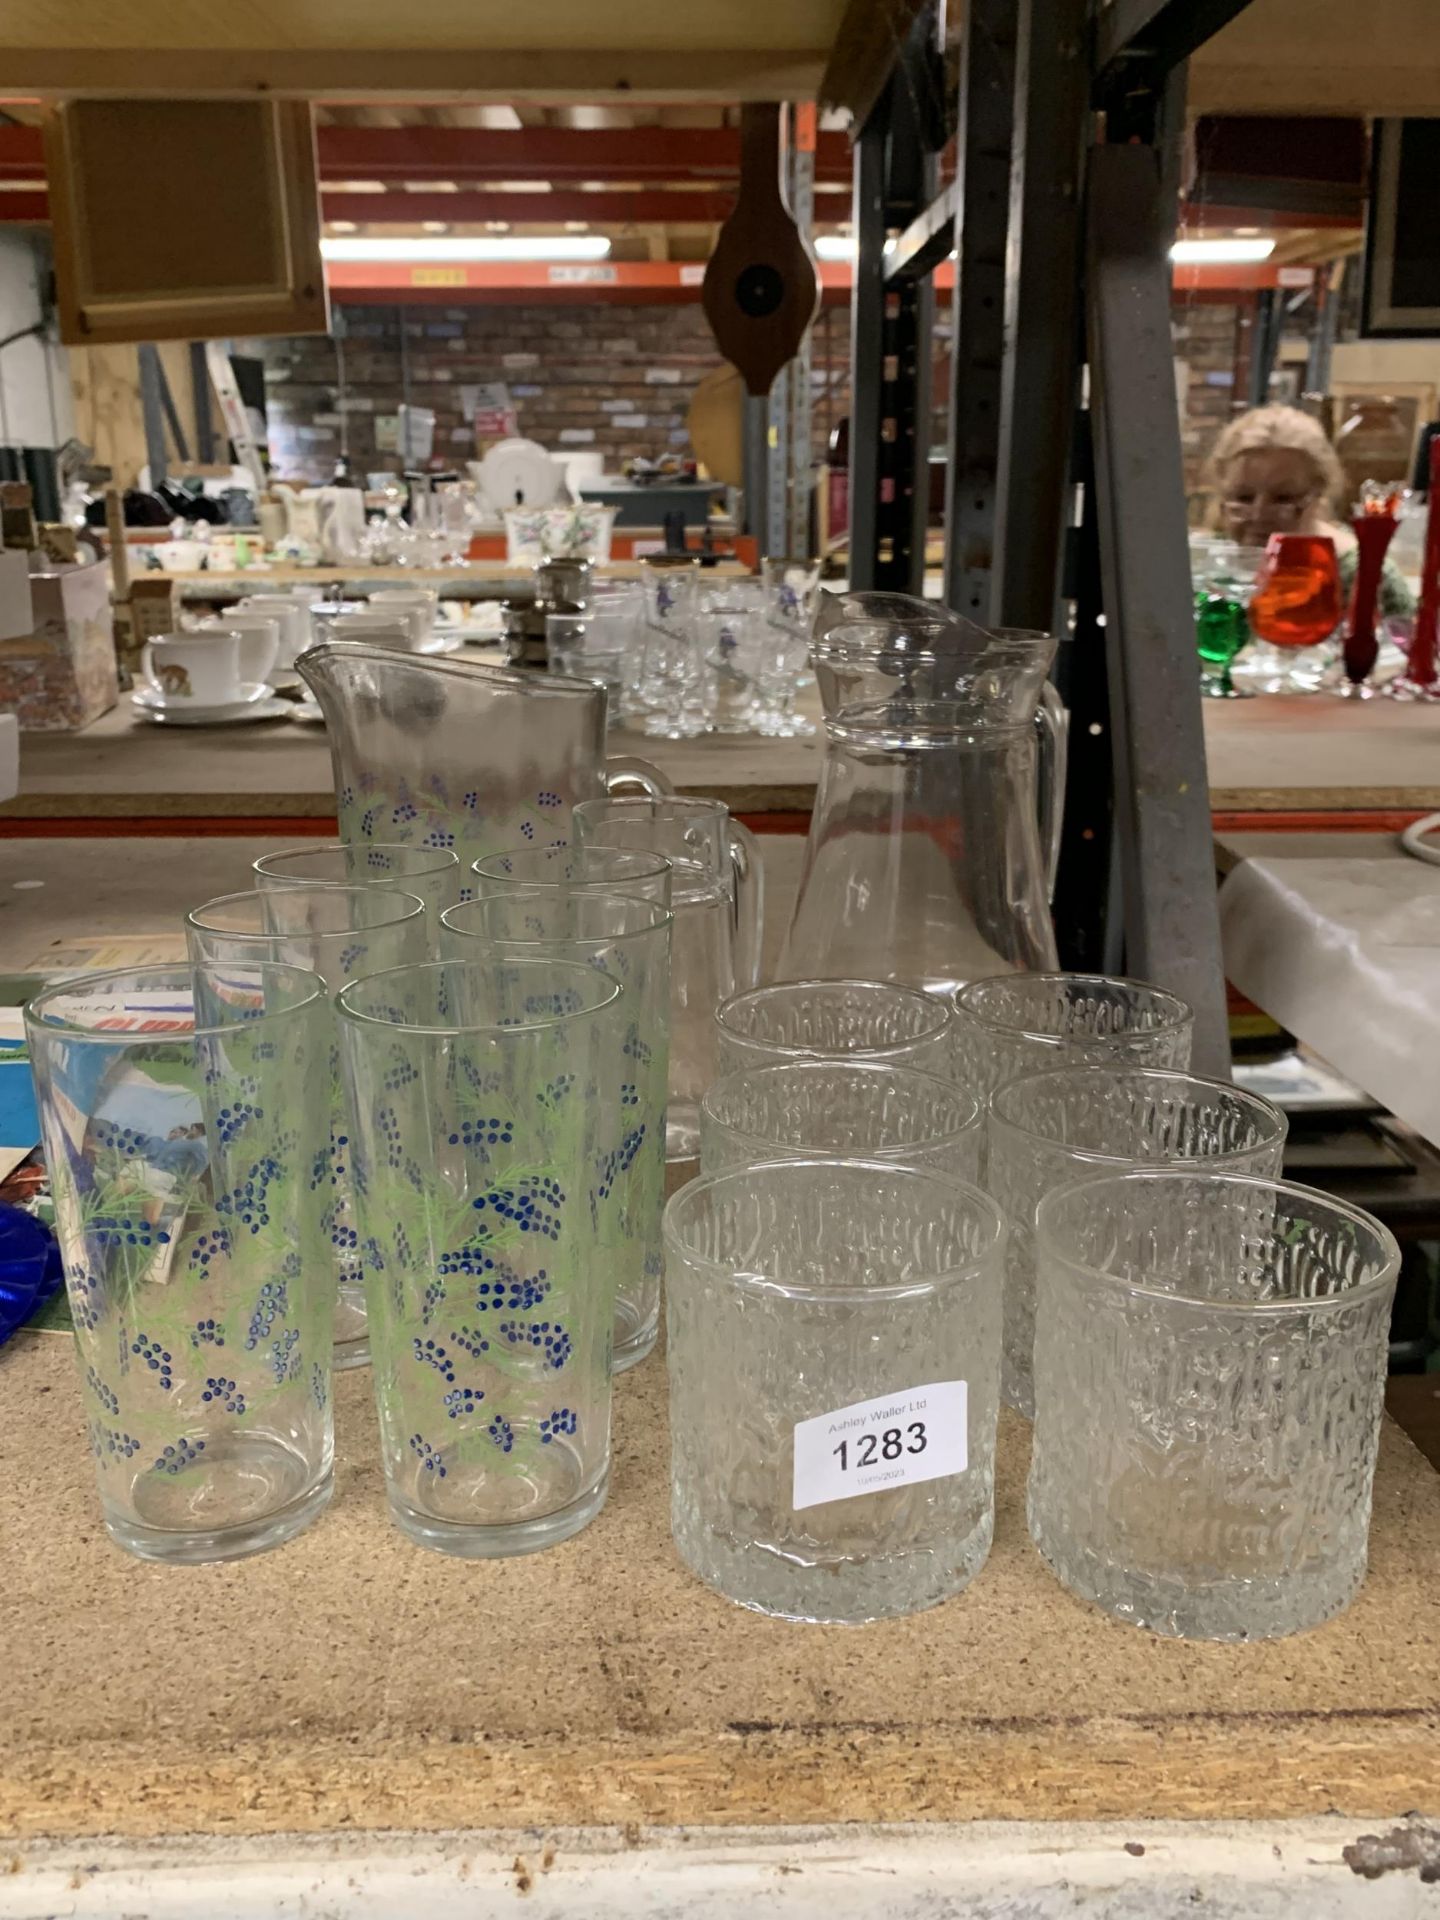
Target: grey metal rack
(1065,504)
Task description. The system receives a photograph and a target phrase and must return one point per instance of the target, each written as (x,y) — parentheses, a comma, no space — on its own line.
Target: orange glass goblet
(1296,602)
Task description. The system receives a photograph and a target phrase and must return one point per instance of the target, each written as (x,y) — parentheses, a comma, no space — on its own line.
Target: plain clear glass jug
(442,753)
(933,841)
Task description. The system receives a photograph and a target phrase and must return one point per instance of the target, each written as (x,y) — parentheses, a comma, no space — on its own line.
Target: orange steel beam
(548,153)
(648,206)
(527,153)
(657,280)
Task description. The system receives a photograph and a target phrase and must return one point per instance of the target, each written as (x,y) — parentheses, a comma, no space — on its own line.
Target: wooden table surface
(1272,754)
(124,766)
(352,1681)
(258,579)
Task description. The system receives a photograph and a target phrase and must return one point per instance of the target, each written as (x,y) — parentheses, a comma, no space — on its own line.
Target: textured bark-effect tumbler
(1210,1355)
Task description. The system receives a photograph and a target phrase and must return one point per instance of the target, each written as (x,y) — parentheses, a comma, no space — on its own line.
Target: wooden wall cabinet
(184,219)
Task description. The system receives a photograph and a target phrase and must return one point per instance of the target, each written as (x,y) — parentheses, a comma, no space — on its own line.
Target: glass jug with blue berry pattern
(474,759)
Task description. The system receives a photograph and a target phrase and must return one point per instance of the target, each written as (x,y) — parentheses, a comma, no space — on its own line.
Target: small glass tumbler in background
(1009,1024)
(628,941)
(791,584)
(823,1109)
(182,1112)
(431,873)
(716,893)
(725,636)
(586,649)
(339,933)
(671,686)
(474,1090)
(606,670)
(642,876)
(874,1020)
(616,612)
(1210,1356)
(833,1340)
(1046,1129)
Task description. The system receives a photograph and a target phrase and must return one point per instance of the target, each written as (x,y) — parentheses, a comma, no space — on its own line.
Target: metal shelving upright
(1065,504)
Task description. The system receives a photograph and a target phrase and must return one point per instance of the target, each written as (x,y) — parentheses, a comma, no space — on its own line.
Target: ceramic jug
(934,837)
(442,753)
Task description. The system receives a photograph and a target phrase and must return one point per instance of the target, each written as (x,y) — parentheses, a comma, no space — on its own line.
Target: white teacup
(259,637)
(417,604)
(294,618)
(198,669)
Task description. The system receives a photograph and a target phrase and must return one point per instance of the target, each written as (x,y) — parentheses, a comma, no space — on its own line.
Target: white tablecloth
(1344,950)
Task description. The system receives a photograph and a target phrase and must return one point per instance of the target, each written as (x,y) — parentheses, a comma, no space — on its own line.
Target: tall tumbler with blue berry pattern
(628,941)
(475,1098)
(340,933)
(432,874)
(644,875)
(181,1111)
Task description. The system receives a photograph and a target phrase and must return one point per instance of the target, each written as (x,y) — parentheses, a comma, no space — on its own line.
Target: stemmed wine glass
(1296,603)
(1223,583)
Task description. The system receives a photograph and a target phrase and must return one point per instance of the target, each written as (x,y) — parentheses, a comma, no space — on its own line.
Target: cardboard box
(61,674)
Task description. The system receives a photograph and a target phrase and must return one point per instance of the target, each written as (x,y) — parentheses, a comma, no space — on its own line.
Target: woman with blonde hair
(1274,471)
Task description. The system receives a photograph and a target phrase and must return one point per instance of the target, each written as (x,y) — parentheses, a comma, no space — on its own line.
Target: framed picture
(1401,295)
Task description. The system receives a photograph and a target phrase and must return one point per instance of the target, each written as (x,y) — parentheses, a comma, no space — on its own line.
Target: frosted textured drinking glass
(873,1020)
(644,876)
(1015,1023)
(629,942)
(1050,1128)
(182,1112)
(811,1109)
(339,933)
(833,1339)
(1210,1355)
(430,873)
(481,1194)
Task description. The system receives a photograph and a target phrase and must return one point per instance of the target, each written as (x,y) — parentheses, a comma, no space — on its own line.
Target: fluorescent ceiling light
(1185,253)
(1220,253)
(590,246)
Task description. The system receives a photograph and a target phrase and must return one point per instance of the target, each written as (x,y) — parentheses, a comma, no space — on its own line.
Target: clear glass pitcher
(442,753)
(934,836)
(716,894)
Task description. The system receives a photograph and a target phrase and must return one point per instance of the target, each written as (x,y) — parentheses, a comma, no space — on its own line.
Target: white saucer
(242,711)
(155,702)
(482,620)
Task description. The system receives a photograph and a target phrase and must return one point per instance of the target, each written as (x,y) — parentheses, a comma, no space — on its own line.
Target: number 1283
(889,1445)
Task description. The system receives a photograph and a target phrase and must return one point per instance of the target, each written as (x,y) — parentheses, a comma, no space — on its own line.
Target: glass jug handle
(1053,722)
(747,905)
(627,772)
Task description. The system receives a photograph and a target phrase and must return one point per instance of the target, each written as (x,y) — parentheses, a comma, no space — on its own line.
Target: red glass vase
(1373,534)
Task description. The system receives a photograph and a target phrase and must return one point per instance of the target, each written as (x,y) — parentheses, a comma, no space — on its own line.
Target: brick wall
(616,379)
(1205,337)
